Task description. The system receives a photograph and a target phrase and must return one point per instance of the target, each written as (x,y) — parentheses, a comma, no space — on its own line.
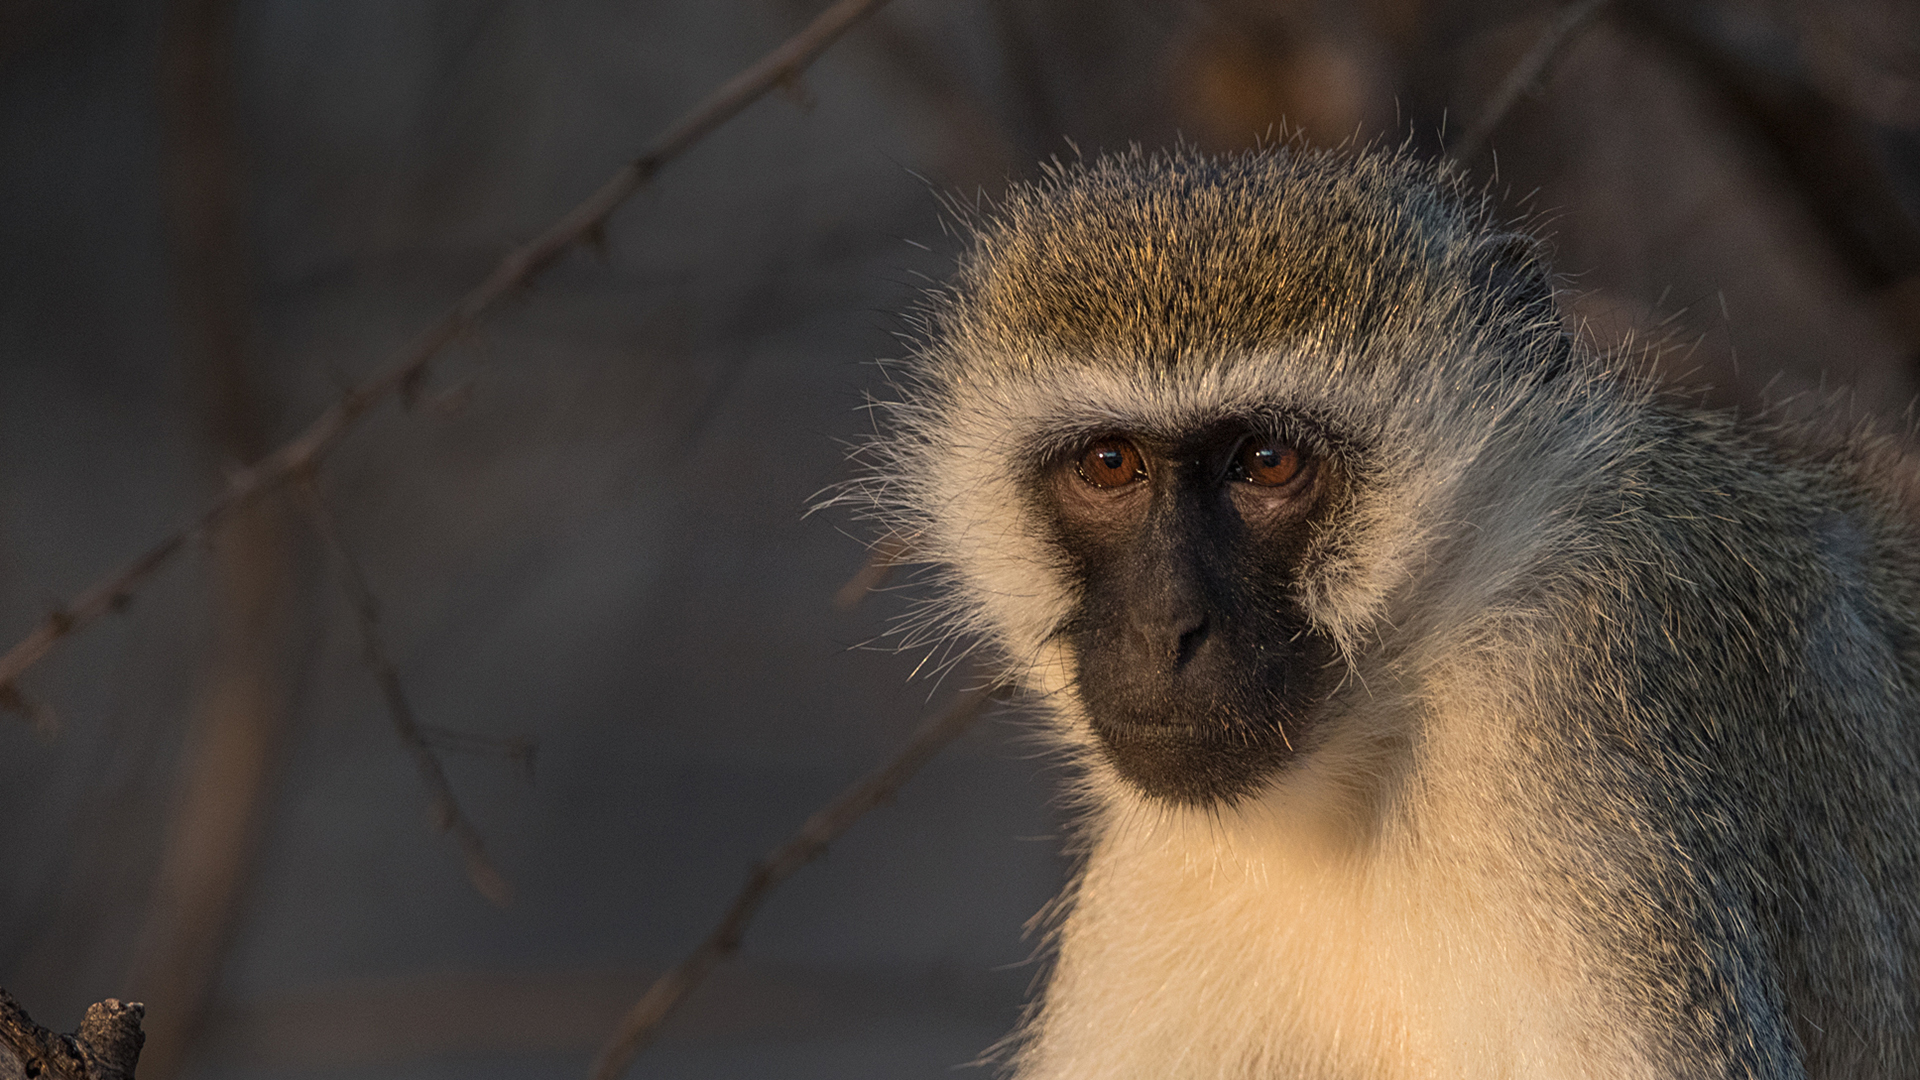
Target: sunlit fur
(1619,778)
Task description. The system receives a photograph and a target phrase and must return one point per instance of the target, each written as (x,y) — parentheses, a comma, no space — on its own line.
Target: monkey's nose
(1168,645)
(1189,641)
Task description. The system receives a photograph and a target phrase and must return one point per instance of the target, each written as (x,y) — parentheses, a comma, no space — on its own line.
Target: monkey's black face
(1196,665)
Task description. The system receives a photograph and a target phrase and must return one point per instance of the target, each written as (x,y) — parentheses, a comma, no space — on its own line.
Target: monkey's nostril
(1190,642)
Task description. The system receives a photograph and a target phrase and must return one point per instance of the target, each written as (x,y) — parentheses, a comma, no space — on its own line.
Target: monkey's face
(1196,664)
(1204,449)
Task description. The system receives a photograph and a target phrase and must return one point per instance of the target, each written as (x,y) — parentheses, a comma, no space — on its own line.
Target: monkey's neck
(1332,927)
(1197,947)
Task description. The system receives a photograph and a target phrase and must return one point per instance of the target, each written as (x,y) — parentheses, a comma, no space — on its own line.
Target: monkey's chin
(1192,765)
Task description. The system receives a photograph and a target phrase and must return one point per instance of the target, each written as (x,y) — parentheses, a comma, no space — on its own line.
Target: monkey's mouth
(1211,727)
(1193,764)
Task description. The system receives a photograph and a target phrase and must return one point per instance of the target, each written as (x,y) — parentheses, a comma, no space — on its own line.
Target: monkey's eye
(1110,463)
(1266,462)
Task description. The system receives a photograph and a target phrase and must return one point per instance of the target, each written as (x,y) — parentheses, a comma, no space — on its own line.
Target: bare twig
(644,1019)
(107,1046)
(1525,74)
(584,223)
(447,816)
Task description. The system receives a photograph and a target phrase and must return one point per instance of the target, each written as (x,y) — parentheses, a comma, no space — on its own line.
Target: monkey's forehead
(1041,404)
(1164,256)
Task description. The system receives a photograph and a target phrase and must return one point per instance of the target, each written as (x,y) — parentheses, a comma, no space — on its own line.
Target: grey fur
(1623,740)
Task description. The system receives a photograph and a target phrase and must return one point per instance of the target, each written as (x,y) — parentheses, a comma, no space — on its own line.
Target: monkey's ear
(1509,281)
(1510,270)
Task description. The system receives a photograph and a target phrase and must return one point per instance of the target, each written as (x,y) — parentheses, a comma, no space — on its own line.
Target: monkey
(1443,697)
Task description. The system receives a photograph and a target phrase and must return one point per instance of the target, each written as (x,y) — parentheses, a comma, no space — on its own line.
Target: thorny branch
(107,1046)
(447,815)
(644,1019)
(584,223)
(1525,74)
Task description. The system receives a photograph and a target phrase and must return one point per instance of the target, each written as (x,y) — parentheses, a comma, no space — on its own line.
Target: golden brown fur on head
(1182,268)
(1605,764)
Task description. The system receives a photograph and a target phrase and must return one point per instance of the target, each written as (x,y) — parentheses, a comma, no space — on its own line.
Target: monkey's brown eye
(1267,462)
(1110,463)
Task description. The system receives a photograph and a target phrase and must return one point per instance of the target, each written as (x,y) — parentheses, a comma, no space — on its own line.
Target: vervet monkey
(1446,701)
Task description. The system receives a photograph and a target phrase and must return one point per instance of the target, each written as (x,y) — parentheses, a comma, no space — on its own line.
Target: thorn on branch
(794,89)
(595,238)
(410,386)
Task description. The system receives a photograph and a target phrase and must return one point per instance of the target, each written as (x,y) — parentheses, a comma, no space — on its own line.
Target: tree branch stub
(107,1046)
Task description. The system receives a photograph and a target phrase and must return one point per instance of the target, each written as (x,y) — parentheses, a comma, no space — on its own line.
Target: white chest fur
(1271,942)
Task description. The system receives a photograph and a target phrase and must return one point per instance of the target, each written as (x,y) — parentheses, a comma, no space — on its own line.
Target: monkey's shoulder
(1819,500)
(1754,574)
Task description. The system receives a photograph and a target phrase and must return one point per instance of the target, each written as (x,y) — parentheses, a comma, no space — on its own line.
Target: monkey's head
(1185,434)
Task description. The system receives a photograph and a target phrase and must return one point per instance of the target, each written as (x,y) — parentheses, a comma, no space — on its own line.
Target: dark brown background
(588,531)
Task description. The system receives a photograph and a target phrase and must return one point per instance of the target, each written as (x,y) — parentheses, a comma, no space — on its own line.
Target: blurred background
(585,530)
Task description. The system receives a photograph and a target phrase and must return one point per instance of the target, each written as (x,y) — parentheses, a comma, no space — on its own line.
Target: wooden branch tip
(513,272)
(106,1046)
(643,1020)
